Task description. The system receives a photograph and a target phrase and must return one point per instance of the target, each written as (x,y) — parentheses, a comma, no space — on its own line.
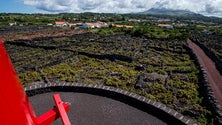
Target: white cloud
(209,7)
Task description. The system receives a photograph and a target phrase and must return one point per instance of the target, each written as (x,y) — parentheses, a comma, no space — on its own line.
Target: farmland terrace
(159,69)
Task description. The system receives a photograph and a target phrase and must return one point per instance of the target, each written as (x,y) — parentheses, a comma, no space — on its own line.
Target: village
(97,24)
(90,25)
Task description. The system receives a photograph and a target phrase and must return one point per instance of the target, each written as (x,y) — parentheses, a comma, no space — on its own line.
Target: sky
(205,7)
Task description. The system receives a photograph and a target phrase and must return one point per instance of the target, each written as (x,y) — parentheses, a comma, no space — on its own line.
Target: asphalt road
(87,109)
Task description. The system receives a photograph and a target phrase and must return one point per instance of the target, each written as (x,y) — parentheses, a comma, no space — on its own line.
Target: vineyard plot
(158,69)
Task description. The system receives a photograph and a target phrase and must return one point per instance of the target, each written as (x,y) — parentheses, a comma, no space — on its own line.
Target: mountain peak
(170,12)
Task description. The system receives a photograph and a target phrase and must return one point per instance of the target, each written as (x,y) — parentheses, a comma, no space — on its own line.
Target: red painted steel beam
(15,107)
(50,116)
(62,112)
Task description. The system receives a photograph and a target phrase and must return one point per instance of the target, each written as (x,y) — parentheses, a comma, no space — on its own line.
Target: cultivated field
(160,69)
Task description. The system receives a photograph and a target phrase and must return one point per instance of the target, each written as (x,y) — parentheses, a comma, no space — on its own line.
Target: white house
(61,24)
(12,24)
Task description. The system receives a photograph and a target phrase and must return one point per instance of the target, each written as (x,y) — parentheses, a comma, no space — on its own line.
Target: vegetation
(159,68)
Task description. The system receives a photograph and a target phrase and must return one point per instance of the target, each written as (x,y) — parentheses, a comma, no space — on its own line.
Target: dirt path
(213,74)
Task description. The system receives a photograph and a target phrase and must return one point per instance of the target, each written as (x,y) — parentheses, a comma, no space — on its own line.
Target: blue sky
(205,7)
(12,6)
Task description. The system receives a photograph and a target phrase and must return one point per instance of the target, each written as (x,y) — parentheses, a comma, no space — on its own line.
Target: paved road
(87,109)
(214,77)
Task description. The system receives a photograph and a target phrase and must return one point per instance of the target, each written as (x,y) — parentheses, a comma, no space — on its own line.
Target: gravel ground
(87,109)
